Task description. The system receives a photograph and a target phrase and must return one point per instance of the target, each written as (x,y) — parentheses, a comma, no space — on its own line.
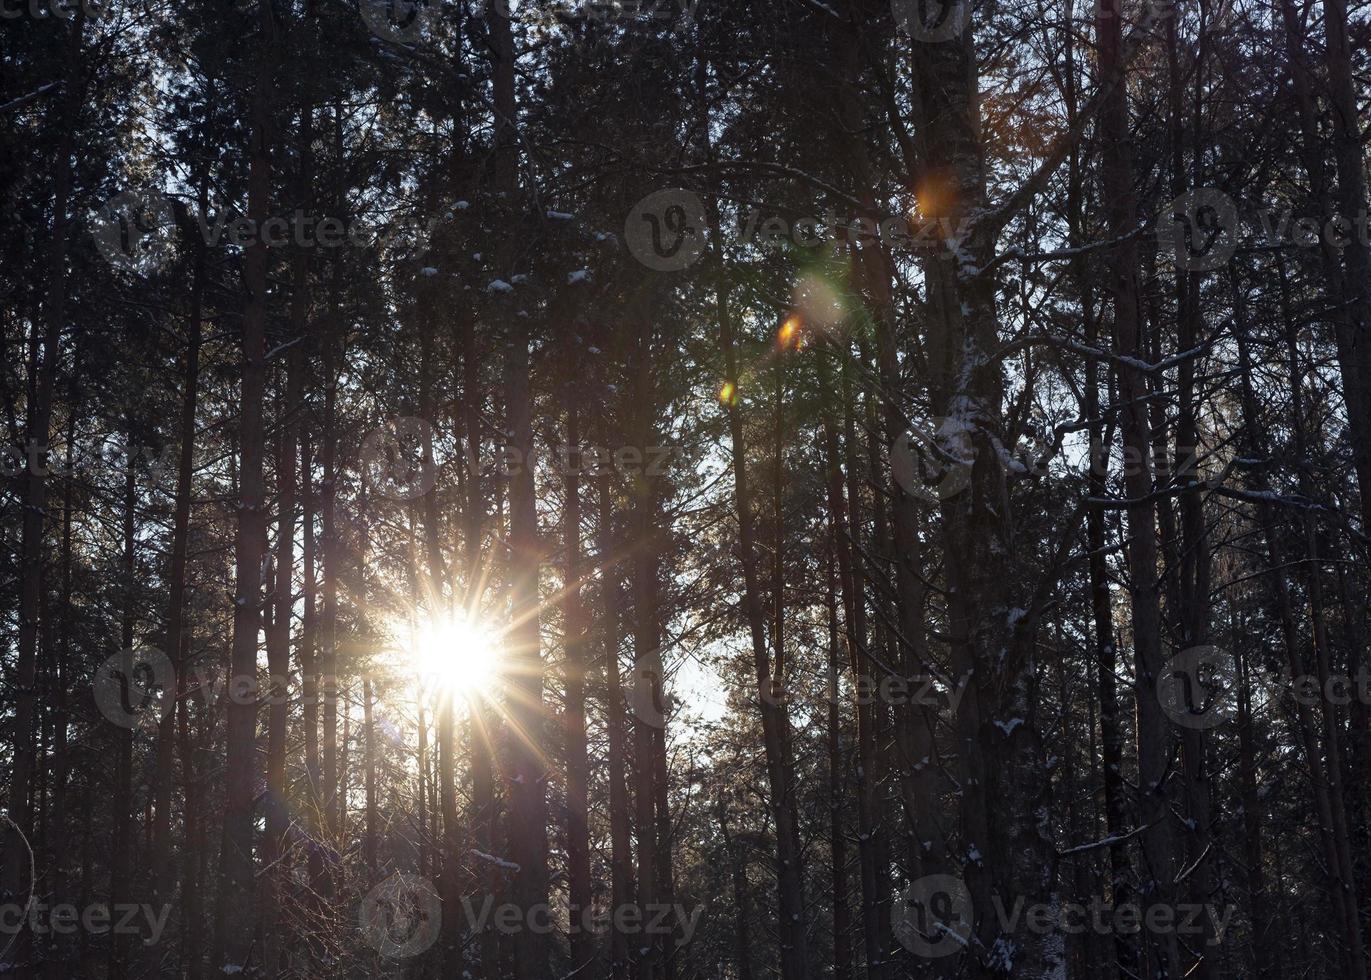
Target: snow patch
(1008,726)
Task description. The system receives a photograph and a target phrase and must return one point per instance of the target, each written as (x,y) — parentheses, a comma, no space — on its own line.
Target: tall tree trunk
(234,928)
(791,906)
(789,880)
(45,357)
(842,916)
(737,865)
(846,541)
(121,854)
(481,720)
(309,665)
(526,769)
(369,761)
(649,714)
(335,348)
(59,964)
(1122,269)
(1192,569)
(1306,724)
(574,716)
(1351,168)
(992,640)
(278,639)
(919,774)
(192,925)
(620,830)
(162,871)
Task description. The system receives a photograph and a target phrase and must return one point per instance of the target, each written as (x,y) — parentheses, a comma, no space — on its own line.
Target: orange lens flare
(789,334)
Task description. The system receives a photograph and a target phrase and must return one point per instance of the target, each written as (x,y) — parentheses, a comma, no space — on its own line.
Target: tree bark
(842,916)
(234,931)
(121,852)
(574,716)
(1158,839)
(620,829)
(43,364)
(173,645)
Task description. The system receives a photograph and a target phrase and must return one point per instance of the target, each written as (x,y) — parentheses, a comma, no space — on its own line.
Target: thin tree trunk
(574,716)
(526,768)
(620,830)
(1351,168)
(789,881)
(335,343)
(121,855)
(870,841)
(278,639)
(649,715)
(59,964)
(737,864)
(1159,864)
(1342,888)
(369,760)
(234,931)
(309,666)
(481,720)
(43,363)
(162,871)
(842,916)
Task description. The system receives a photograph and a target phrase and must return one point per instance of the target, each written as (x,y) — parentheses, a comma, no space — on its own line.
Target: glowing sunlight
(455,655)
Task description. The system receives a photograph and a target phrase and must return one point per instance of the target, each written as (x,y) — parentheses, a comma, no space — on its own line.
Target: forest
(685,489)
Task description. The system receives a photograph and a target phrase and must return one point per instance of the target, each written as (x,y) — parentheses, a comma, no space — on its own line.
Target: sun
(455,655)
